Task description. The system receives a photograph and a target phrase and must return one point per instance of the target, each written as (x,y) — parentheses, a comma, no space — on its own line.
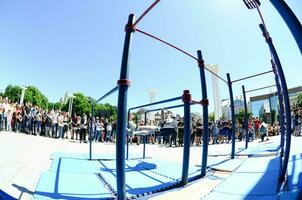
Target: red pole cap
(186,97)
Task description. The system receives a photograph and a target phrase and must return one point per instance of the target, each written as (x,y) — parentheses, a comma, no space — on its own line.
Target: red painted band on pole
(124,82)
(146,12)
(186,97)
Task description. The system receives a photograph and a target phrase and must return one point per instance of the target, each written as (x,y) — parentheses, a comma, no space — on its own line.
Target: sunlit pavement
(23,158)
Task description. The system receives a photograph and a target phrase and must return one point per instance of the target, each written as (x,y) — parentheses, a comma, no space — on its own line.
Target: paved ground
(23,158)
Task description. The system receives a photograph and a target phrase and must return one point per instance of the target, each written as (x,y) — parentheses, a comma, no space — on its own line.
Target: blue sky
(76,45)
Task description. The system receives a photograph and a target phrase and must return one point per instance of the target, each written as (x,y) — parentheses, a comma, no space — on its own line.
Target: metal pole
(233,115)
(286,101)
(123,83)
(187,136)
(144,150)
(91,129)
(205,112)
(127,138)
(290,19)
(245,119)
(281,108)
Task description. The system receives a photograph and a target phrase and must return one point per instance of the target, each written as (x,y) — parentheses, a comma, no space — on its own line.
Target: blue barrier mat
(71,186)
(260,164)
(5,196)
(266,148)
(295,172)
(293,195)
(75,165)
(140,182)
(226,196)
(250,184)
(175,171)
(227,165)
(57,155)
(105,156)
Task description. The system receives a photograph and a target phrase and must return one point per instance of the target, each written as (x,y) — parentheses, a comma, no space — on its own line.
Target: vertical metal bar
(290,19)
(187,136)
(233,115)
(205,138)
(127,138)
(121,114)
(91,129)
(145,137)
(286,101)
(246,128)
(281,108)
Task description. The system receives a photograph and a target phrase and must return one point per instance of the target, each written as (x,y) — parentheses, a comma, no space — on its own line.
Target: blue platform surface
(295,172)
(227,165)
(71,186)
(98,156)
(292,195)
(250,184)
(227,196)
(262,149)
(5,196)
(75,165)
(260,164)
(140,182)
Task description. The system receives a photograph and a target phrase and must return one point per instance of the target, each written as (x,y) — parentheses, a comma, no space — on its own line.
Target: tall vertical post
(123,84)
(233,115)
(205,112)
(127,138)
(145,137)
(187,136)
(290,19)
(281,108)
(286,100)
(91,129)
(246,128)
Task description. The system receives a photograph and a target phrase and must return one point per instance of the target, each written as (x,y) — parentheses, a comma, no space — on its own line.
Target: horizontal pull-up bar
(107,94)
(252,76)
(156,103)
(166,108)
(178,49)
(260,88)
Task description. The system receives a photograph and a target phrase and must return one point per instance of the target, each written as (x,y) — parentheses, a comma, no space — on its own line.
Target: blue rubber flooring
(74,165)
(71,186)
(250,184)
(227,164)
(265,148)
(293,194)
(140,182)
(226,196)
(105,156)
(260,164)
(295,172)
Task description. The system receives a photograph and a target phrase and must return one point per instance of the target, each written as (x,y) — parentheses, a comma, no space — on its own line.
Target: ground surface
(23,159)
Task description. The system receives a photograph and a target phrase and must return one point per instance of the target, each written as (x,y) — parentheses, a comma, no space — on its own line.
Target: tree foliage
(212,117)
(13,93)
(35,97)
(240,116)
(300,100)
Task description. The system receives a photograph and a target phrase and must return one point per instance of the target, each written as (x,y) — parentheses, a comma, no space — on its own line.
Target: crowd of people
(52,123)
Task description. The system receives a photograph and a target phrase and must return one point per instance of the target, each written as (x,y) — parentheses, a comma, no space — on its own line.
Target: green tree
(35,97)
(300,100)
(81,104)
(240,116)
(13,93)
(212,117)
